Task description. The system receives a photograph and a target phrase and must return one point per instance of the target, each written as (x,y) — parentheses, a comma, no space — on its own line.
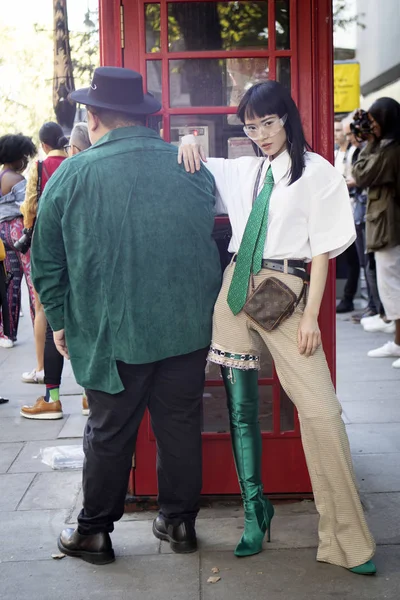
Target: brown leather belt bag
(272,302)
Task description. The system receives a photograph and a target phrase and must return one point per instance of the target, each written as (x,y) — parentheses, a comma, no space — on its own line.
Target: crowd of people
(367,156)
(138,315)
(19,201)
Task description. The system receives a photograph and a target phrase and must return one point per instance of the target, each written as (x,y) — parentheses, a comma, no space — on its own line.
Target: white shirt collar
(280,166)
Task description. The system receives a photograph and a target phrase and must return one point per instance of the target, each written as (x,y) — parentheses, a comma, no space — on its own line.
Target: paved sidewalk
(36,502)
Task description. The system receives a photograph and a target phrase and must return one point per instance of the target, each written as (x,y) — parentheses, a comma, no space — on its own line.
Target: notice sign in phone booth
(198,58)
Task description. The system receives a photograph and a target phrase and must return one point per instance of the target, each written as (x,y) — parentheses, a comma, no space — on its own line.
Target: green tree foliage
(85,50)
(26,73)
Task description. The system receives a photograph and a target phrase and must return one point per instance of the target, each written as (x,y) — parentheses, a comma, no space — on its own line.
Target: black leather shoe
(95,549)
(345,306)
(181,538)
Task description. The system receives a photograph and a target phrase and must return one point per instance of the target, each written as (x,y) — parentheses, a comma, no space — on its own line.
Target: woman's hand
(192,155)
(308,335)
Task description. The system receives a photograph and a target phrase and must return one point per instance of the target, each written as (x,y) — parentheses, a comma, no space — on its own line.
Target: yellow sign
(347,87)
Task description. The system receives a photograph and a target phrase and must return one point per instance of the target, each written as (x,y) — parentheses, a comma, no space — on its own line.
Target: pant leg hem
(346,565)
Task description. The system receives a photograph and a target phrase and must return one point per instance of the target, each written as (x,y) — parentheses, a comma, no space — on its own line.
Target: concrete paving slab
(374,438)
(378,472)
(74,426)
(52,491)
(382,513)
(12,408)
(351,372)
(215,535)
(134,578)
(132,535)
(72,404)
(29,535)
(291,575)
(8,453)
(19,429)
(13,488)
(384,411)
(369,391)
(29,460)
(135,538)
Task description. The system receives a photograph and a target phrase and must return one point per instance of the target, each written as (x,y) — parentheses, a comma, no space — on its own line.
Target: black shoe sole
(94,558)
(177,547)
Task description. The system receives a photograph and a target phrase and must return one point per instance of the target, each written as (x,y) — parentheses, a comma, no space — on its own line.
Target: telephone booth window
(199,58)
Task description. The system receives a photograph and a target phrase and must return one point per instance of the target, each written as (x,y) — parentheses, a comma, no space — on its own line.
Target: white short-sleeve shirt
(310,217)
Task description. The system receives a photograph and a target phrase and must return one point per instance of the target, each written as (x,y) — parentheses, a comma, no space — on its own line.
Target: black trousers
(353,272)
(53,360)
(172,389)
(4,309)
(367,262)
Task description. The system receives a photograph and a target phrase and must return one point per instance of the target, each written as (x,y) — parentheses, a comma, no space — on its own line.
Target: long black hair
(272,98)
(15,147)
(51,134)
(386,112)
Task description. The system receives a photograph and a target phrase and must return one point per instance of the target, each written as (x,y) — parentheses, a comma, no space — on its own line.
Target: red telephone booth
(198,57)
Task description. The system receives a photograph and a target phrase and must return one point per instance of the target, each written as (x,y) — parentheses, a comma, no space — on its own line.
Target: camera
(24,242)
(361,125)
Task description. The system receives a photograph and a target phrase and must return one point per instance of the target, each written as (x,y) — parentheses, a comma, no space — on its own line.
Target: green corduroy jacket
(123,257)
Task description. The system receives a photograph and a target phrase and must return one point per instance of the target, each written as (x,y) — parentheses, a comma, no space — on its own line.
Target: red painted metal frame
(110,38)
(284,469)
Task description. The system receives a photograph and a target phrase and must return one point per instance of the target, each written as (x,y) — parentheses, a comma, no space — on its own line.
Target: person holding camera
(49,407)
(15,152)
(53,144)
(378,169)
(367,262)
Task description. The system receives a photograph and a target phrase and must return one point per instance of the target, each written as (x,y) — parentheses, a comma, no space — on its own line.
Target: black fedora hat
(117,89)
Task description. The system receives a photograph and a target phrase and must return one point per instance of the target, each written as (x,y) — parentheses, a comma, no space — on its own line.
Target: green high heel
(242,395)
(258,517)
(367,568)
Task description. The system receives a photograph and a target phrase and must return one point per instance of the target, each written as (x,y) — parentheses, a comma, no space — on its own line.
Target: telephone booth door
(198,58)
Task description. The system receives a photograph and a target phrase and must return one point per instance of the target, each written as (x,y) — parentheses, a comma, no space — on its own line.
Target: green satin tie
(249,258)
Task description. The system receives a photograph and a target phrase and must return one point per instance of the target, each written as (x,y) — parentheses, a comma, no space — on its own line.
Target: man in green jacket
(124,263)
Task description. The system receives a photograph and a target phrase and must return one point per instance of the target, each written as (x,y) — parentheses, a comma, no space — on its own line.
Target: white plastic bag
(63,457)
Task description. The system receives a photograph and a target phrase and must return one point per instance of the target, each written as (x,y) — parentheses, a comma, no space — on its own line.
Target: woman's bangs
(261,101)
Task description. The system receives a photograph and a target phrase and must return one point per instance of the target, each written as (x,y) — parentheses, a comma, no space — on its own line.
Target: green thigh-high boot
(242,394)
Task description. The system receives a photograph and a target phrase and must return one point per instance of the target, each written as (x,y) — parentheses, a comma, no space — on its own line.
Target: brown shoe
(42,410)
(85,406)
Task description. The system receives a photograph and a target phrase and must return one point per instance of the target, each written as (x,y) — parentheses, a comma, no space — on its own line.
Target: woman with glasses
(287,208)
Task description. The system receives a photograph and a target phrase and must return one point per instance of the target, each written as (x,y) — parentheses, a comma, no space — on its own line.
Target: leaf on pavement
(213,579)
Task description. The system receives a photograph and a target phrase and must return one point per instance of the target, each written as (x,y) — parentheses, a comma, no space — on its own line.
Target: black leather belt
(294,267)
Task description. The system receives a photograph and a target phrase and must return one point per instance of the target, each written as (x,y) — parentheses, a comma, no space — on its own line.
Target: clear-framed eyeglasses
(69,146)
(268,128)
